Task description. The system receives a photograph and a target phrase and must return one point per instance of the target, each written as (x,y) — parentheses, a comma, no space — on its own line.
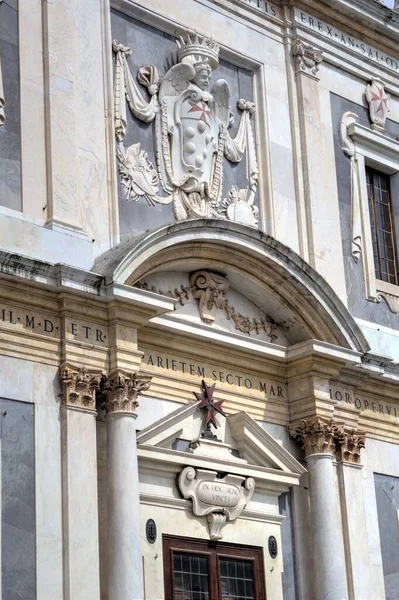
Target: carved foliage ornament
(316,437)
(378,101)
(349,444)
(121,390)
(306,58)
(210,290)
(326,437)
(80,384)
(191,135)
(219,499)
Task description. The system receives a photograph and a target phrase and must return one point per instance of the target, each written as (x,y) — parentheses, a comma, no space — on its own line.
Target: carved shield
(195,139)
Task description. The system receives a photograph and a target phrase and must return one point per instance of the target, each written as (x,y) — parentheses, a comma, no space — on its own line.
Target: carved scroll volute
(210,290)
(306,58)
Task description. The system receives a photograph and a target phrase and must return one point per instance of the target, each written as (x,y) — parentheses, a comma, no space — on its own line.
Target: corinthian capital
(316,436)
(79,385)
(306,58)
(349,444)
(121,391)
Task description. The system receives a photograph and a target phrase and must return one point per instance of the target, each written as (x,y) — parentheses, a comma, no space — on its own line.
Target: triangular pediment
(242,442)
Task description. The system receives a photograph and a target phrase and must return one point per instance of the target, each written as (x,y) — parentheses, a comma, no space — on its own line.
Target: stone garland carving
(79,386)
(326,437)
(348,146)
(210,290)
(306,58)
(121,390)
(191,135)
(378,101)
(219,499)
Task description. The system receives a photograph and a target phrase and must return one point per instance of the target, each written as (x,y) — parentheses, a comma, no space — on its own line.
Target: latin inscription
(266,7)
(349,41)
(221,493)
(381,408)
(45,324)
(269,389)
(18,319)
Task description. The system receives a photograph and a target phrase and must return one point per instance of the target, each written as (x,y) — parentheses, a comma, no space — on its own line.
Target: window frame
(381,153)
(213,550)
(371,173)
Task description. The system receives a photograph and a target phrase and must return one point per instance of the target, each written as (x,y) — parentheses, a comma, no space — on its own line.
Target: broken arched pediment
(271,276)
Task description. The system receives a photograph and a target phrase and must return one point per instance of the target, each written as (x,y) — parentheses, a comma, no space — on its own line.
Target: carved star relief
(206,402)
(201,107)
(381,98)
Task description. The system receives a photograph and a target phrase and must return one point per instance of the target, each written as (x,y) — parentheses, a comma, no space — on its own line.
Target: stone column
(318,440)
(79,482)
(125,573)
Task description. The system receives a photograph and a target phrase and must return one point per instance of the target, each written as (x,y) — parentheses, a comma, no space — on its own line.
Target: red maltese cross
(206,401)
(379,97)
(201,107)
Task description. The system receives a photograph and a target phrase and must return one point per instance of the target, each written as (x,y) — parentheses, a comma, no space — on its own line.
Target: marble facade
(114,310)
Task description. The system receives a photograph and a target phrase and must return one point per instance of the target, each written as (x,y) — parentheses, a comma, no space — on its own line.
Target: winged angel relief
(191,135)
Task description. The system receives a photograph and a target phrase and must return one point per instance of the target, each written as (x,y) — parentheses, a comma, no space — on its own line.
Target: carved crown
(198,49)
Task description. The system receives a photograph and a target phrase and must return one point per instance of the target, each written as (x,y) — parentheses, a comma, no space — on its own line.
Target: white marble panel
(80,506)
(355,531)
(325,243)
(33,143)
(46,386)
(90,124)
(49,535)
(153,409)
(19,235)
(16,379)
(382,340)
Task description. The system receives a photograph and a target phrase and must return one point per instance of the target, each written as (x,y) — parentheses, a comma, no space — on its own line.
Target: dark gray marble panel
(287,536)
(153,47)
(387,495)
(18,501)
(10,133)
(357,303)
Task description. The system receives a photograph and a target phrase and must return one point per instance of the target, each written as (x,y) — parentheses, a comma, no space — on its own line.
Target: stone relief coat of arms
(192,122)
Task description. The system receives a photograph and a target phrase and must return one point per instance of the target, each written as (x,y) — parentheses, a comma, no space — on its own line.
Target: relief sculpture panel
(182,163)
